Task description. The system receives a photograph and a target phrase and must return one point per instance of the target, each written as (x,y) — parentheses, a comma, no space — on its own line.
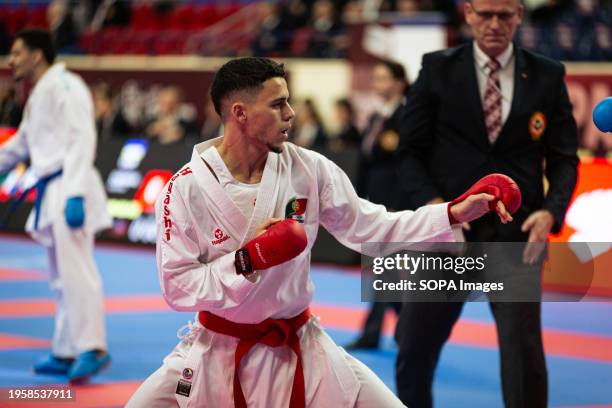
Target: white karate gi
(199,230)
(58,132)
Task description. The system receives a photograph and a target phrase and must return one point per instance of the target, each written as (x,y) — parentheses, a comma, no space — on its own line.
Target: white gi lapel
(217,197)
(266,196)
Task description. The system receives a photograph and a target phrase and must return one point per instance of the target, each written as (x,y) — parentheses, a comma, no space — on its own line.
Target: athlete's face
(269,115)
(22,61)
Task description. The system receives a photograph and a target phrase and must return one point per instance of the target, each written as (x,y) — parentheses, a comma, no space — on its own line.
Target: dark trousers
(374,321)
(423,328)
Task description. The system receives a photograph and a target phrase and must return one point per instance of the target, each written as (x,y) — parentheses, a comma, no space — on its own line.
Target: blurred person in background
(569,30)
(411,7)
(63,27)
(110,122)
(134,102)
(378,170)
(295,13)
(273,36)
(58,135)
(212,127)
(353,12)
(328,38)
(111,13)
(603,39)
(407,7)
(170,124)
(488,106)
(10,107)
(348,134)
(381,135)
(589,14)
(307,129)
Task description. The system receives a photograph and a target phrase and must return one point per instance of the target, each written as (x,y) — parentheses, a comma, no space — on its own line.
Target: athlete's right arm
(13,151)
(189,282)
(192,282)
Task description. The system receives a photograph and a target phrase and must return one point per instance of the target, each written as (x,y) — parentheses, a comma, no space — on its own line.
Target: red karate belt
(272,333)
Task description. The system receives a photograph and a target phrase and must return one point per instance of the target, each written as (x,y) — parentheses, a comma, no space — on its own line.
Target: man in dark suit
(480,108)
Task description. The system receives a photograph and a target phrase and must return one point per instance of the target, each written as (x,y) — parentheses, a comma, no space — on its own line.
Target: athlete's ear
(38,56)
(238,111)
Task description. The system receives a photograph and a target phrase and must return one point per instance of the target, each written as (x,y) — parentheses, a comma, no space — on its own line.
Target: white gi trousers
(258,383)
(74,277)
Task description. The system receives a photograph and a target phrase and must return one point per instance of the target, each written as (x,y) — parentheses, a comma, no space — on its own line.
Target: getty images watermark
(484,271)
(411,264)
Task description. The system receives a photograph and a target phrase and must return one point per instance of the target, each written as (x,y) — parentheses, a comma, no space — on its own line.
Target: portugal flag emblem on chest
(296,208)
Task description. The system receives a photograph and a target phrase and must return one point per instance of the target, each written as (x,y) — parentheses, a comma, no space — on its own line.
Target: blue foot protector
(53,365)
(87,364)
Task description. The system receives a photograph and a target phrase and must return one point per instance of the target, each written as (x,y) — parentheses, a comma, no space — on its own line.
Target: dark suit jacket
(444,147)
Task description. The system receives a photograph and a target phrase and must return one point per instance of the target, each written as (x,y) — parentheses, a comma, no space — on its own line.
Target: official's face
(270,115)
(493,23)
(21,60)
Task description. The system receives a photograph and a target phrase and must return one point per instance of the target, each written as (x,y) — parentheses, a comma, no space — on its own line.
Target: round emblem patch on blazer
(537,125)
(389,140)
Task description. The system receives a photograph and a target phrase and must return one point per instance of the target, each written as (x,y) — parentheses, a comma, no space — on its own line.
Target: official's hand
(75,212)
(539,224)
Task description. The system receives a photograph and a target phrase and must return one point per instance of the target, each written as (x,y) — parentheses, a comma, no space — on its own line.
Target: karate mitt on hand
(282,241)
(75,212)
(495,192)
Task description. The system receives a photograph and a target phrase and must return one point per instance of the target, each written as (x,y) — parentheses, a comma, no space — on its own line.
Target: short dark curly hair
(243,74)
(38,39)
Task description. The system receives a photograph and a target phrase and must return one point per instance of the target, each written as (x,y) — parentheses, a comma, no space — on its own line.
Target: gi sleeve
(14,151)
(80,132)
(187,283)
(353,220)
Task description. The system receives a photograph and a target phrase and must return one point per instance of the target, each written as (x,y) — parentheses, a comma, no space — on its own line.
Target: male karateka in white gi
(58,135)
(223,251)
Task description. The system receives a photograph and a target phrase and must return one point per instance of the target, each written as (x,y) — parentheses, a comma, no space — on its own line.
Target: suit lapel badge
(389,140)
(537,125)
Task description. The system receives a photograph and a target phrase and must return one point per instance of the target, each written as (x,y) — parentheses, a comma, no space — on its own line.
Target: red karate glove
(498,185)
(281,242)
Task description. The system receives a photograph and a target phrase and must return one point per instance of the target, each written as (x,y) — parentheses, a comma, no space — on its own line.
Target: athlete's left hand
(75,212)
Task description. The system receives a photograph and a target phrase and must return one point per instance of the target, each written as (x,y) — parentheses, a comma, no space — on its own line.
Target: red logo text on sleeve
(167,214)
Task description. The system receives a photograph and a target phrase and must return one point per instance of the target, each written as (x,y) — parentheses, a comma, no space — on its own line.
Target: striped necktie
(493,101)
